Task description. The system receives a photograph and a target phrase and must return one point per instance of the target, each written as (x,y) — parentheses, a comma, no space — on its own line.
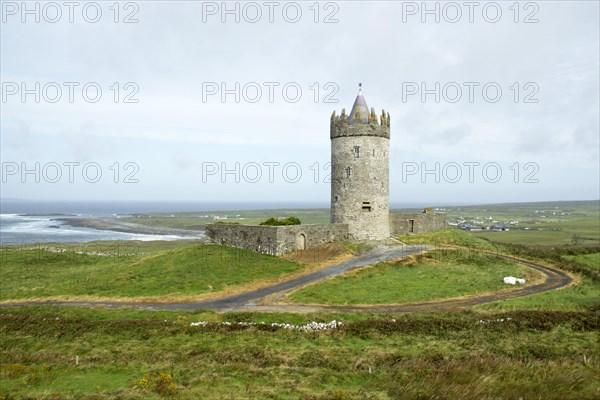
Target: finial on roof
(360,111)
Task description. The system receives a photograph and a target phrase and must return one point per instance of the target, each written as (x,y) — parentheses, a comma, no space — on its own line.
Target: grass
(591,260)
(445,356)
(185,269)
(552,233)
(581,260)
(549,223)
(583,296)
(520,348)
(435,275)
(197,220)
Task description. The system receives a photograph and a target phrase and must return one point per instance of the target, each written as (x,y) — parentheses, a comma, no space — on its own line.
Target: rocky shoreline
(110,224)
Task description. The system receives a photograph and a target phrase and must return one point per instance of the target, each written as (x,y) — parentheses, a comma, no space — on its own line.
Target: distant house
(500,228)
(471,228)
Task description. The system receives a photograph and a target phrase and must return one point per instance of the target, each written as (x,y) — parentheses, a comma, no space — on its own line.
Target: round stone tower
(360,145)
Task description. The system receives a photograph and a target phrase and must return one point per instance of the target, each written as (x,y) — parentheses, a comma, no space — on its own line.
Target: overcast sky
(537,139)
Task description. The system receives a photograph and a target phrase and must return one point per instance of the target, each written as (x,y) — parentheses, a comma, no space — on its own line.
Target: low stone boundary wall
(275,240)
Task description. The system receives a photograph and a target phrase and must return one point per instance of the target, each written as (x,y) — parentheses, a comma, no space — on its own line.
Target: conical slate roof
(360,111)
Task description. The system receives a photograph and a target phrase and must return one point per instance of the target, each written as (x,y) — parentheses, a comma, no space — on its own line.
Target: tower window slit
(348,172)
(356,152)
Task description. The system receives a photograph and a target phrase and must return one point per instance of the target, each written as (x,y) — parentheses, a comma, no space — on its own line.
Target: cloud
(170,53)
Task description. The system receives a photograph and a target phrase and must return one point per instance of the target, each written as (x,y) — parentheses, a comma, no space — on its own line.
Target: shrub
(280,222)
(158,382)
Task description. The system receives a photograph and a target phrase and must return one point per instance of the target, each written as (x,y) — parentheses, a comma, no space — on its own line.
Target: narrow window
(373,152)
(356,152)
(335,199)
(411,225)
(366,206)
(348,172)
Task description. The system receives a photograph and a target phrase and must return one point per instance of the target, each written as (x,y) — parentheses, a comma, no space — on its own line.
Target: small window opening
(356,152)
(348,172)
(411,225)
(373,152)
(335,199)
(366,206)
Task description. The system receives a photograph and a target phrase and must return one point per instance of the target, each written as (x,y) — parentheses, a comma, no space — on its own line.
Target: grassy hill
(153,271)
(435,275)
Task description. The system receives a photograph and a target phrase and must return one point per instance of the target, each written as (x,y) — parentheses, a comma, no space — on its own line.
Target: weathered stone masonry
(276,240)
(405,224)
(360,145)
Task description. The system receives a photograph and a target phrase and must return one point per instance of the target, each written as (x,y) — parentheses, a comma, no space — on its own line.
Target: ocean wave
(17,228)
(8,216)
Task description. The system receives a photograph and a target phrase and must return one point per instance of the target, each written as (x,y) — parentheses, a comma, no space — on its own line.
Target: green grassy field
(574,232)
(591,260)
(71,353)
(543,346)
(583,296)
(549,223)
(157,269)
(435,275)
(529,214)
(197,220)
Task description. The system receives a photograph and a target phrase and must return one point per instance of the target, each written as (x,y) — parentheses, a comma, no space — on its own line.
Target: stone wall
(262,239)
(400,223)
(275,240)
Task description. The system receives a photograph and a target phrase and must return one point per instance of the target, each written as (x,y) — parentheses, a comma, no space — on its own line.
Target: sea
(28,221)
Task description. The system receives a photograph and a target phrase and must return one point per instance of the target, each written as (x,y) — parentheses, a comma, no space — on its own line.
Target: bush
(158,382)
(280,222)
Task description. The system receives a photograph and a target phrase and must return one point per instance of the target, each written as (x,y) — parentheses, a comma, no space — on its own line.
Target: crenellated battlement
(360,148)
(370,125)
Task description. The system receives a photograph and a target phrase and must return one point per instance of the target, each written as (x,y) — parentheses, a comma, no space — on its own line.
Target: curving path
(248,301)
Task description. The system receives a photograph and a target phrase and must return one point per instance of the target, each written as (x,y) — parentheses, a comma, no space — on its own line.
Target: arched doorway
(301,242)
